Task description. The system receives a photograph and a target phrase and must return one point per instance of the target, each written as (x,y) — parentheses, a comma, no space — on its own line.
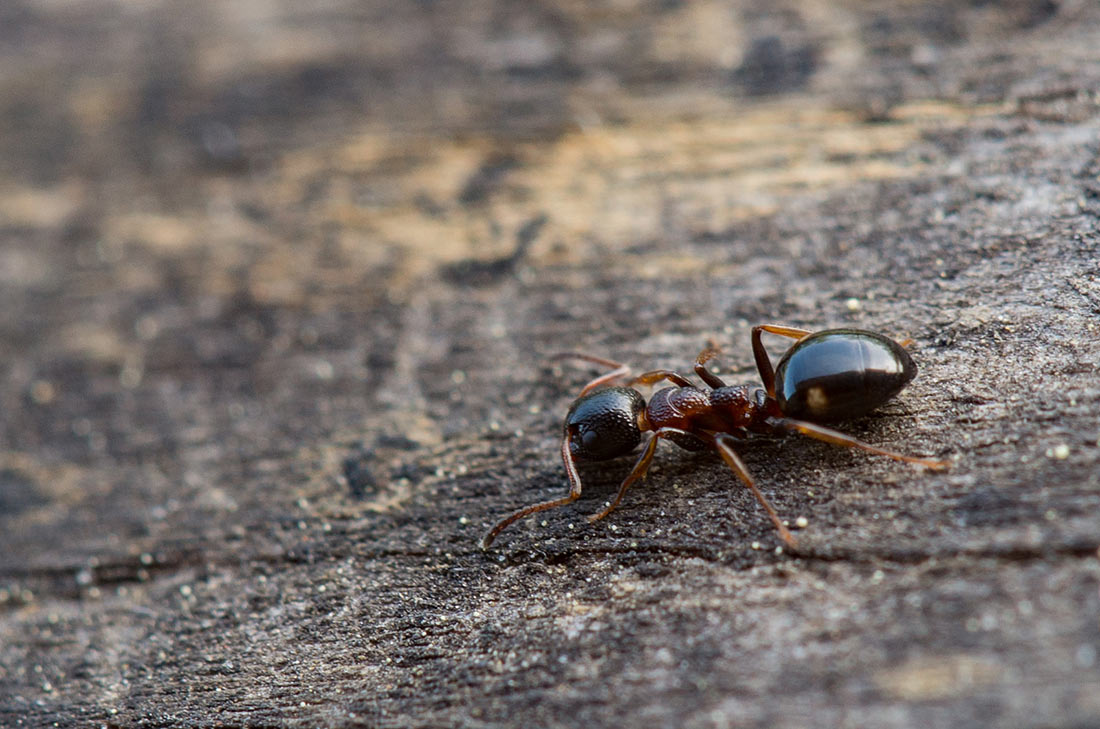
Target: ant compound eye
(604,423)
(590,441)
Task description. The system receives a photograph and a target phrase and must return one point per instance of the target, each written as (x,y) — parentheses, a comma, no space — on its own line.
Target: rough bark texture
(279,283)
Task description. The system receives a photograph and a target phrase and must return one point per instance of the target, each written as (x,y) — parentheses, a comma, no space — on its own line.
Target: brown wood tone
(279,288)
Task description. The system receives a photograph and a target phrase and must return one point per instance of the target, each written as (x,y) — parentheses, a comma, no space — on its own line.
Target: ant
(834,374)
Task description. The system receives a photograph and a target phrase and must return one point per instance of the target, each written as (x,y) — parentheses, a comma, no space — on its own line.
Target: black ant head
(605,423)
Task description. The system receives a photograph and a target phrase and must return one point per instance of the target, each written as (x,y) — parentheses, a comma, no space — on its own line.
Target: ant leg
(654,376)
(639,469)
(574,494)
(635,473)
(713,381)
(790,332)
(618,370)
(828,435)
(724,443)
(763,364)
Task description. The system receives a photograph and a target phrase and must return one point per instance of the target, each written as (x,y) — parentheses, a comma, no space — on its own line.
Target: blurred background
(200,183)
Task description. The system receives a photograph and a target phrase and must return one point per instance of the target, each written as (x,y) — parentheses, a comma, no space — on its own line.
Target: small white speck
(1059,452)
(853,304)
(458,377)
(755,545)
(323,369)
(463,520)
(130,375)
(801,522)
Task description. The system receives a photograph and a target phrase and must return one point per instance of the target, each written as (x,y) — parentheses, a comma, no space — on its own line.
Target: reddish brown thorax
(739,409)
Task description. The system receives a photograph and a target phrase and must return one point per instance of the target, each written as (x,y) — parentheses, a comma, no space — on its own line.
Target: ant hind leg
(763,362)
(835,437)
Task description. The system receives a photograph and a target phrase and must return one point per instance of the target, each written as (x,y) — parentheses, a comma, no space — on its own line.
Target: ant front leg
(618,369)
(763,363)
(724,443)
(654,376)
(574,494)
(712,380)
(640,468)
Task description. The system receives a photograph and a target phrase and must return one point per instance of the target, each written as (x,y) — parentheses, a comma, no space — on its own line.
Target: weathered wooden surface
(277,288)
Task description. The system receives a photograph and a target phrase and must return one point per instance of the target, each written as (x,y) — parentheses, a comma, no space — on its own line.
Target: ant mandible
(834,374)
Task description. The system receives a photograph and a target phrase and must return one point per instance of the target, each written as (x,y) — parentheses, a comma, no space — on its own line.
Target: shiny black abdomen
(838,374)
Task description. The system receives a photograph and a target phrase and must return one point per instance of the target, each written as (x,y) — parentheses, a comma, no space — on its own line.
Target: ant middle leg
(835,437)
(724,443)
(709,352)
